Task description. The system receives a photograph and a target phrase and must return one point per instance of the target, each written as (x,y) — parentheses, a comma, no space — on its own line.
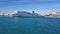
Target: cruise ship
(25,14)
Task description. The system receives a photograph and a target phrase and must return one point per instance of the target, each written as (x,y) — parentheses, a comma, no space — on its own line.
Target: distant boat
(25,14)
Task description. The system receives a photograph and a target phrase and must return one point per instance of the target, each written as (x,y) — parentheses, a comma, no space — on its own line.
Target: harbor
(31,14)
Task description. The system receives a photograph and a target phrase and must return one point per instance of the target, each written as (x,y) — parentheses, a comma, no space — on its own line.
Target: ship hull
(29,16)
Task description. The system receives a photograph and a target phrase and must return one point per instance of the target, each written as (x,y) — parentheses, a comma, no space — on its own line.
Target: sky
(39,6)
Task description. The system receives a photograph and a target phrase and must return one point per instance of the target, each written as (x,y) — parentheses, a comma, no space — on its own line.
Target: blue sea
(21,25)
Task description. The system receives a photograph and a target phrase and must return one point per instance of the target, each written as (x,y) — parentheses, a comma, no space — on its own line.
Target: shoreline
(33,16)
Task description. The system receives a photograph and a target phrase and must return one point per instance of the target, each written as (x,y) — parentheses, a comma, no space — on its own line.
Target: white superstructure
(24,13)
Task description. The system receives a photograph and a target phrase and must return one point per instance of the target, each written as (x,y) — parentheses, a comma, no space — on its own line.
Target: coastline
(32,16)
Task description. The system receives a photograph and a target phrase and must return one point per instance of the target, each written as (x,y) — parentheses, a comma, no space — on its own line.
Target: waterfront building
(4,14)
(53,14)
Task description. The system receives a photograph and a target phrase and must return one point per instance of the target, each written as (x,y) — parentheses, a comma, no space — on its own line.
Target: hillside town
(31,14)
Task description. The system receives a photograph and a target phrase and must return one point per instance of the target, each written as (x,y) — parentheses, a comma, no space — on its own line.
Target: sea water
(21,25)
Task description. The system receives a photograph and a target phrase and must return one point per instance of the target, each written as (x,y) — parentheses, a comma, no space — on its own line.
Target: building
(54,14)
(4,14)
